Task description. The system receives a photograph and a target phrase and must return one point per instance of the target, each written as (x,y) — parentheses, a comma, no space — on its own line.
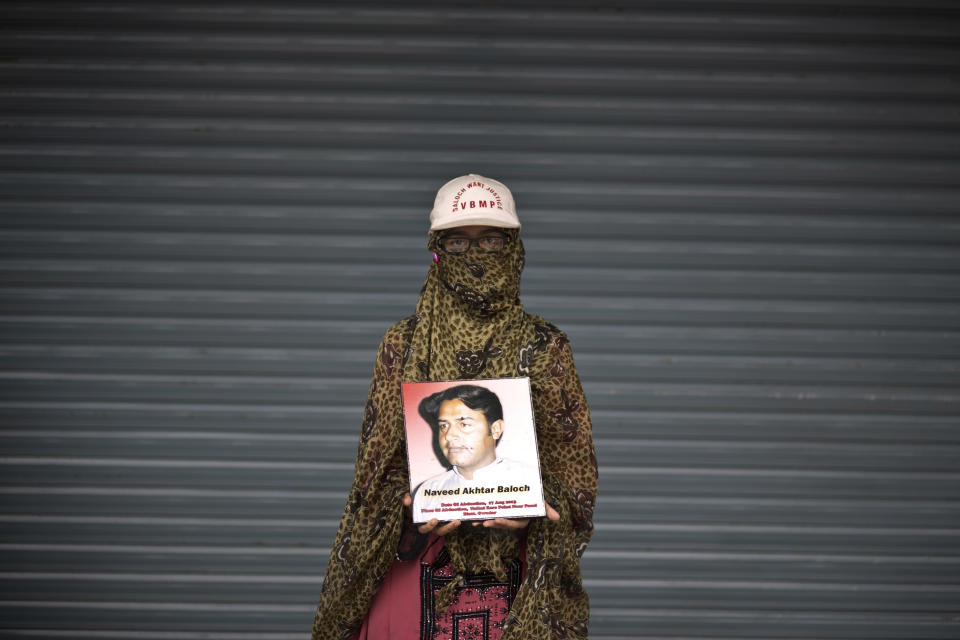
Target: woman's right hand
(441,529)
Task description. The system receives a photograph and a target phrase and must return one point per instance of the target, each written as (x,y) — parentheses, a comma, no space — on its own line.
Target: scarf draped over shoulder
(470,324)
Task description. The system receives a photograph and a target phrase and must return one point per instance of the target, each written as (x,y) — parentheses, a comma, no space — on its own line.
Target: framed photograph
(472,450)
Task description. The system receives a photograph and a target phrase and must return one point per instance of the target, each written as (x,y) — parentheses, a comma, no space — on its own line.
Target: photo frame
(472,450)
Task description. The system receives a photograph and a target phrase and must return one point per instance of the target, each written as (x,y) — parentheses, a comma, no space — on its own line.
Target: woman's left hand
(515,523)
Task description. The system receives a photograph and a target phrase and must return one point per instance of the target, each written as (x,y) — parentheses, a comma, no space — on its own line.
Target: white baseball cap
(473,199)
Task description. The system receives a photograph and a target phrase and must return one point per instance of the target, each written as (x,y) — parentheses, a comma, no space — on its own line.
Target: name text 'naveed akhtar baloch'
(475,490)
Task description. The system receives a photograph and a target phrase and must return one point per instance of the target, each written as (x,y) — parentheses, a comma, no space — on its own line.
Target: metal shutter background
(744,214)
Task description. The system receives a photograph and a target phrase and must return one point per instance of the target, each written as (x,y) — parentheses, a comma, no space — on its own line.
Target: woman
(503,578)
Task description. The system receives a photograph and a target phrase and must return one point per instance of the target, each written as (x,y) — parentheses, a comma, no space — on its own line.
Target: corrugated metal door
(744,214)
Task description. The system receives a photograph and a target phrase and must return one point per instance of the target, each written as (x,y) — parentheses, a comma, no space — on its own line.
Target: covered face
(465,438)
(484,281)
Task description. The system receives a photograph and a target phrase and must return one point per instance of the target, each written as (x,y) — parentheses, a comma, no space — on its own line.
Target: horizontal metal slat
(51,529)
(316,422)
(120,613)
(403,222)
(760,49)
(611,394)
(545,281)
(613,536)
(633,365)
(39,253)
(864,514)
(726,110)
(869,21)
(106,476)
(591,341)
(495,81)
(387,308)
(831,571)
(289,134)
(738,451)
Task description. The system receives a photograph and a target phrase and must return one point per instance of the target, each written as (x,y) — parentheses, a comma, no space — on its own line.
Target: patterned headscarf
(470,324)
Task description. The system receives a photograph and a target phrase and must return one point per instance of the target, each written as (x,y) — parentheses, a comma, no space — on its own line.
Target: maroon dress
(403,608)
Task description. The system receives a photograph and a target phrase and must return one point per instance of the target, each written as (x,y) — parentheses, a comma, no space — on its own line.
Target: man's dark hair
(475,397)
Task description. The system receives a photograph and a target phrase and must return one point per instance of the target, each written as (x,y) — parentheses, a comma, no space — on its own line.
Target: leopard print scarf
(470,324)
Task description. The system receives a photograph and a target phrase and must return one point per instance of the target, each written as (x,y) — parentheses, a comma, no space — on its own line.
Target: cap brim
(485,221)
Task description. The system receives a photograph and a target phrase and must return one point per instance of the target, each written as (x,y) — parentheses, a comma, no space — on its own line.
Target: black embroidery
(565,418)
(476,270)
(478,302)
(541,336)
(472,363)
(392,358)
(585,503)
(369,420)
(476,622)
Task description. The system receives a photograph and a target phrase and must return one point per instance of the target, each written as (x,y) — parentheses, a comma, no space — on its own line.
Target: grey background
(744,214)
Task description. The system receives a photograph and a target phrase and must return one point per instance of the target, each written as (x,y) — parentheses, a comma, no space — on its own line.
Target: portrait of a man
(468,423)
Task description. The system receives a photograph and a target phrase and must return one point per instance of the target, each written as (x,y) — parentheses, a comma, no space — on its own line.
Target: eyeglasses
(462,244)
